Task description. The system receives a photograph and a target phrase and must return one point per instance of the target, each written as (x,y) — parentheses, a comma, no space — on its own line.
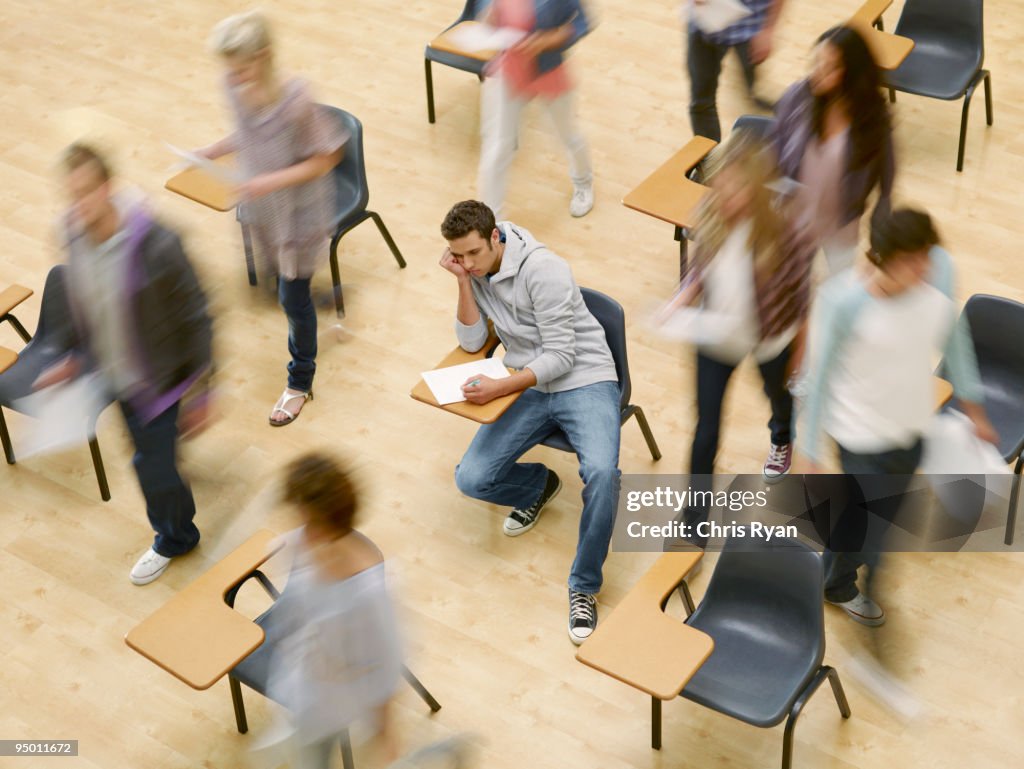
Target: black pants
(169,502)
(704,62)
(854,543)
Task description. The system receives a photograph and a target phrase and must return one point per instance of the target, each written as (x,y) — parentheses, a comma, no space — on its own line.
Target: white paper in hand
(64,413)
(474,38)
(446,383)
(698,326)
(221,173)
(713,16)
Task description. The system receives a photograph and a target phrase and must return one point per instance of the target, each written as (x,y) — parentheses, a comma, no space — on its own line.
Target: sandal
(283,401)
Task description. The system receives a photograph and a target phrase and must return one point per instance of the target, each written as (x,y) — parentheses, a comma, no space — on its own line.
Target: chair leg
(655,723)
(1011,514)
(347,761)
(5,439)
(963,125)
(892,95)
(430,89)
(27,337)
(680,235)
(339,298)
(988,97)
(652,445)
(837,690)
(250,261)
(421,690)
(687,598)
(97,463)
(879,25)
(267,585)
(387,237)
(236,701)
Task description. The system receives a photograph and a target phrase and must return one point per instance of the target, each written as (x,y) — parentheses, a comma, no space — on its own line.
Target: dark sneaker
(862,609)
(521,521)
(780,457)
(582,616)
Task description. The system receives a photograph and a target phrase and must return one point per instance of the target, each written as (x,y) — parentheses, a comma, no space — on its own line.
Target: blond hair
(754,160)
(244,34)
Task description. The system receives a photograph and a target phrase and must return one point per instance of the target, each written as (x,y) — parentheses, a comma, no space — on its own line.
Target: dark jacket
(790,134)
(170,334)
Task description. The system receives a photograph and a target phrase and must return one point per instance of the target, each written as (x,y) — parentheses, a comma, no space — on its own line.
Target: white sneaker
(150,566)
(582,200)
(862,609)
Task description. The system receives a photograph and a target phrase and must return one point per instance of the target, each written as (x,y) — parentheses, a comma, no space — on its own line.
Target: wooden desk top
(444,43)
(888,50)
(871,10)
(667,194)
(12,296)
(943,392)
(199,185)
(196,636)
(485,414)
(642,646)
(7,359)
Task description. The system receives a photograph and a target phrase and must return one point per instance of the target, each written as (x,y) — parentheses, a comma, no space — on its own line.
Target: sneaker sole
(773,478)
(519,532)
(149,578)
(576,640)
(860,618)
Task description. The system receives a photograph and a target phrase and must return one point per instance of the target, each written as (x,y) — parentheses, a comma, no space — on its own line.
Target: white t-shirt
(730,294)
(882,393)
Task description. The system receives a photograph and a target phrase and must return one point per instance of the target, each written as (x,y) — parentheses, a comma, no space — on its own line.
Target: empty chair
(763,608)
(610,315)
(254,670)
(948,56)
(996,324)
(53,340)
(465,63)
(351,198)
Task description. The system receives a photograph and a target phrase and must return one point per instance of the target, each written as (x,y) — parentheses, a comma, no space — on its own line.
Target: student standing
(287,147)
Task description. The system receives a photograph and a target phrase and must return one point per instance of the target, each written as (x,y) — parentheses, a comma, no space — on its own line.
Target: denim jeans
(855,544)
(169,502)
(589,417)
(704,62)
(297,301)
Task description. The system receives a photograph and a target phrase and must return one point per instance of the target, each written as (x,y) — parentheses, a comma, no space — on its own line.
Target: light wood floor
(485,614)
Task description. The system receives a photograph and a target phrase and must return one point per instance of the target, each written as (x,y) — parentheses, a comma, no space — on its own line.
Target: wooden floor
(485,614)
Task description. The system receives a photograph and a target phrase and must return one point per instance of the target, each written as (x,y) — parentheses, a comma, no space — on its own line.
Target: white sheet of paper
(482,37)
(446,383)
(698,326)
(221,173)
(63,412)
(715,15)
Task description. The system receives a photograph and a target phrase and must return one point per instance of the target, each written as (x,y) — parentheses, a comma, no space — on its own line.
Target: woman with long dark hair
(833,134)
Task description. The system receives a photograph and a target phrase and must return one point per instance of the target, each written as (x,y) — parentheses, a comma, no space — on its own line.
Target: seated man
(565,368)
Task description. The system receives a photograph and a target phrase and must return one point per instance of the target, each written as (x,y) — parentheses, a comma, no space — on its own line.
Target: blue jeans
(169,503)
(297,301)
(589,417)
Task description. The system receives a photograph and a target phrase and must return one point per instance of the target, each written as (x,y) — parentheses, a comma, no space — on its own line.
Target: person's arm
(558,38)
(304,171)
(226,146)
(470,323)
(761,43)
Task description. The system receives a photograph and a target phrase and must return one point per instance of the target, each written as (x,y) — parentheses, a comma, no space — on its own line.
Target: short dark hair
(465,217)
(324,491)
(79,154)
(903,230)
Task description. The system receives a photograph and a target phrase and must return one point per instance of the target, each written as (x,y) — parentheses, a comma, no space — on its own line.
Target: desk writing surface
(667,194)
(888,50)
(443,42)
(203,187)
(7,358)
(12,296)
(871,10)
(943,392)
(196,636)
(485,414)
(642,646)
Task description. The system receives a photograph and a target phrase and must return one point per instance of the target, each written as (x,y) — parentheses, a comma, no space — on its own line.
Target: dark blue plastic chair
(764,610)
(948,56)
(52,341)
(465,63)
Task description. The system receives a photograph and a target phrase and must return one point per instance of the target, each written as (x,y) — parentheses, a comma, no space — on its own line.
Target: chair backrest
(759,125)
(469,11)
(612,318)
(350,174)
(775,586)
(55,329)
(996,326)
(956,22)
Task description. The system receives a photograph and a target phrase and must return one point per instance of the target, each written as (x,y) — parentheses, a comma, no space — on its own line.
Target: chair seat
(1004,411)
(749,676)
(17,381)
(254,670)
(936,70)
(465,63)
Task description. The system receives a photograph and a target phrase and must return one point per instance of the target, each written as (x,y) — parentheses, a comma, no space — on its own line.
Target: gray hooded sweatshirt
(539,316)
